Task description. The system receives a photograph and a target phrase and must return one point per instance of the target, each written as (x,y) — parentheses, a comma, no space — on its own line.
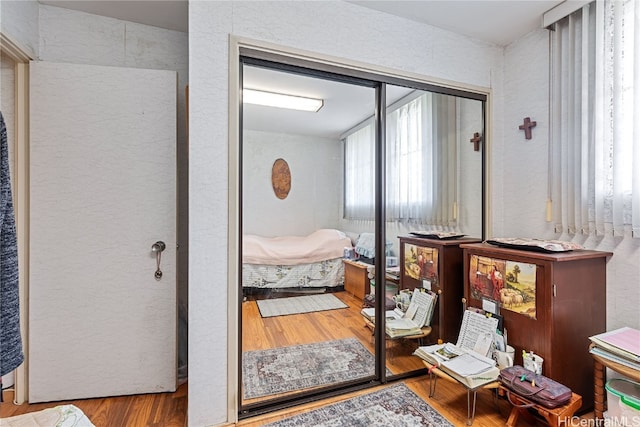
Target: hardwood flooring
(146,410)
(170,409)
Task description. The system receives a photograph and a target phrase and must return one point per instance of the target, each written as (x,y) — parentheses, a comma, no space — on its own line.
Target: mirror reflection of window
(432,178)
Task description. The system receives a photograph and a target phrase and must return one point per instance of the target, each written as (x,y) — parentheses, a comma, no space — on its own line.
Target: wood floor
(170,409)
(146,410)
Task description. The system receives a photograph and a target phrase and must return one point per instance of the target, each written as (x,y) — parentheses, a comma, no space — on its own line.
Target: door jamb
(21,197)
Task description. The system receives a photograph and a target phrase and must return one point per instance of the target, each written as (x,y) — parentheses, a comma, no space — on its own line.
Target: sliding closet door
(102,319)
(376,160)
(301,330)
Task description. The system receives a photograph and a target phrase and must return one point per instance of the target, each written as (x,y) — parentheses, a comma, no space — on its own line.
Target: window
(421,148)
(595,154)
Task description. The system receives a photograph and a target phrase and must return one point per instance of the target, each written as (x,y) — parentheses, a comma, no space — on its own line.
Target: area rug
(297,305)
(396,406)
(59,416)
(298,367)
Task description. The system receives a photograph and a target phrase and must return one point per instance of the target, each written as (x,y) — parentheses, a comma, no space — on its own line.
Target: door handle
(157,248)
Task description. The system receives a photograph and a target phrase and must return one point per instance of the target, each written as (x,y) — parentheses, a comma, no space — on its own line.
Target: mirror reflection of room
(308,223)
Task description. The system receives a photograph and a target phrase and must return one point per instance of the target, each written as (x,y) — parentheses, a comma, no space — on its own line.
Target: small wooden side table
(435,373)
(555,417)
(599,363)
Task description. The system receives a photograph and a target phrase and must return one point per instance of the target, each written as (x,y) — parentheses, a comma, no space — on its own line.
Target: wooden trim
(13,50)
(22,217)
(21,197)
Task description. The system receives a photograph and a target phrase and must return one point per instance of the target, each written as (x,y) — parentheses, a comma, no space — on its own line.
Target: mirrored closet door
(301,331)
(356,161)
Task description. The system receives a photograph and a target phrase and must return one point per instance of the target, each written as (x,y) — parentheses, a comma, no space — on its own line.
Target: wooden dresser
(436,264)
(551,303)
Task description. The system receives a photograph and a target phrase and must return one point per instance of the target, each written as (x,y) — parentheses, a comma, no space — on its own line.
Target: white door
(102,192)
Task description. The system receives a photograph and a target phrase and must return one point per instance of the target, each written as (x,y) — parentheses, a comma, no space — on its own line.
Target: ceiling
(494,21)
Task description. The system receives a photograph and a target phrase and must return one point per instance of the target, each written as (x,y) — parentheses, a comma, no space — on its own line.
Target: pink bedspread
(292,250)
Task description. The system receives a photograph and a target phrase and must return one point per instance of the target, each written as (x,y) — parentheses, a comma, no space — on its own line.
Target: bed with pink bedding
(311,261)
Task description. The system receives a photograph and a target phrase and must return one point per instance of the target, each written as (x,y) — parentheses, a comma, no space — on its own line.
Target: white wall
(19,21)
(524,165)
(333,28)
(316,177)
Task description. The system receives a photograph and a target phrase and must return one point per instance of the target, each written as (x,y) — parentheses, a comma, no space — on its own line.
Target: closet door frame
(242,47)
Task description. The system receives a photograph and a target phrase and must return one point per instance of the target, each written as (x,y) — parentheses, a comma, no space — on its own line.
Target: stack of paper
(402,327)
(621,346)
(369,313)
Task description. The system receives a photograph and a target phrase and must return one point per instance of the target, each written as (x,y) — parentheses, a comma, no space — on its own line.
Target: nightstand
(356,279)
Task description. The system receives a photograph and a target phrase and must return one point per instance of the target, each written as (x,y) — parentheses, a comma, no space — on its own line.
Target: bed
(312,261)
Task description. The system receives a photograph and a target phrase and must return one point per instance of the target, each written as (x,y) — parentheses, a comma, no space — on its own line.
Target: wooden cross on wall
(526,127)
(476,141)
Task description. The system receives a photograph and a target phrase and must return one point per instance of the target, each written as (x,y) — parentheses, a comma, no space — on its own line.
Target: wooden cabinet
(551,303)
(356,279)
(436,264)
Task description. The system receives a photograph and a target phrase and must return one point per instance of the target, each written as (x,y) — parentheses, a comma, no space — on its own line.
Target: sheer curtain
(421,163)
(359,175)
(595,96)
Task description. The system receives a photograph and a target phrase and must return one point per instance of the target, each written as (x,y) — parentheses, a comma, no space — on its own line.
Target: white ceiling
(495,21)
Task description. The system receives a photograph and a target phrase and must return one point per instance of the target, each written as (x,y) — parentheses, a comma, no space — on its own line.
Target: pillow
(366,245)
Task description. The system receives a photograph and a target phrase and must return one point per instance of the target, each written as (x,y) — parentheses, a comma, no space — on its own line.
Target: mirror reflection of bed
(293,248)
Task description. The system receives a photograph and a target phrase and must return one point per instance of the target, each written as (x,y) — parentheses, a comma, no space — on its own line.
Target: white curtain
(359,179)
(595,141)
(421,151)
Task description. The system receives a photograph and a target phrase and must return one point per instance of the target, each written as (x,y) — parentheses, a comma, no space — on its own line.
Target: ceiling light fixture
(279,100)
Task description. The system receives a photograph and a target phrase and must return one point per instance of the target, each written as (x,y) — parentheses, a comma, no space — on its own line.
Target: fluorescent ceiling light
(270,99)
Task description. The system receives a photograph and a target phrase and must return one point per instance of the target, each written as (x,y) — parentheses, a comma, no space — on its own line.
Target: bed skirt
(328,273)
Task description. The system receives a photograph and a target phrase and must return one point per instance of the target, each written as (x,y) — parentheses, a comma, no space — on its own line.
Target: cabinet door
(419,265)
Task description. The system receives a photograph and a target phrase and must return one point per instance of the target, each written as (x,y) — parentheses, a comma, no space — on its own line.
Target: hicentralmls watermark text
(618,422)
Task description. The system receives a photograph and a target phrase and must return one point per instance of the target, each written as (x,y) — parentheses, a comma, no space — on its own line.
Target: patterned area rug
(297,305)
(284,369)
(396,406)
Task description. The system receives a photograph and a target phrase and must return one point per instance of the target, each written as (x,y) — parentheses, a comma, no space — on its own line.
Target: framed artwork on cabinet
(421,263)
(512,284)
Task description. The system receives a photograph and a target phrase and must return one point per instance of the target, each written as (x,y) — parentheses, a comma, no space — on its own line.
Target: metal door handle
(157,248)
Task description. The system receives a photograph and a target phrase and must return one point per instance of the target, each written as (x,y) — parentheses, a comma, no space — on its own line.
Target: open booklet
(467,366)
(468,360)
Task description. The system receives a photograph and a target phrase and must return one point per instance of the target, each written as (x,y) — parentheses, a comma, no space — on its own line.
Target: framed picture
(421,263)
(511,284)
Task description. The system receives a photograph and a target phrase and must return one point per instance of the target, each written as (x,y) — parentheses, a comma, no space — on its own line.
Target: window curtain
(421,163)
(595,95)
(359,170)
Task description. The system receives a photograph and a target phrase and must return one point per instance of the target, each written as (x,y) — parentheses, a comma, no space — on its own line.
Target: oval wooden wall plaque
(281,178)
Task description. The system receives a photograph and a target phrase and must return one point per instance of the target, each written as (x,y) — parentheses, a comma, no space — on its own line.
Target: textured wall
(19,21)
(338,29)
(316,177)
